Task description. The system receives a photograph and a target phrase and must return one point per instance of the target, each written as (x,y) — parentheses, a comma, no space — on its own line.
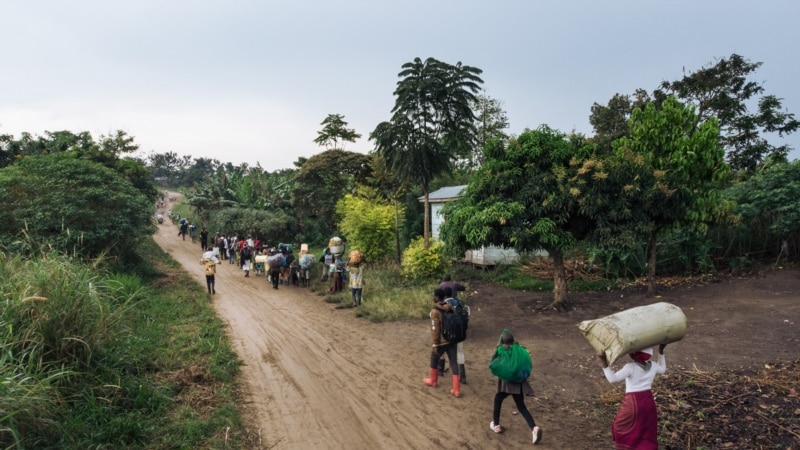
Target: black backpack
(455,322)
(246,252)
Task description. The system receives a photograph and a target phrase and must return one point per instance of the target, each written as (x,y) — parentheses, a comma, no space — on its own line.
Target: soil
(319,377)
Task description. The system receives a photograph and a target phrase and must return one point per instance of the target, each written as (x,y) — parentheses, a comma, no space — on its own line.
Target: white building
(485,256)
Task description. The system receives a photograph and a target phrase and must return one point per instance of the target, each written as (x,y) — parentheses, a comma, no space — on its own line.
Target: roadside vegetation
(93,358)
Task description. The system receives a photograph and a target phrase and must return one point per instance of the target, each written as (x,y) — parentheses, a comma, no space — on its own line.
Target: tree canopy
(335,133)
(432,122)
(676,168)
(531,194)
(73,205)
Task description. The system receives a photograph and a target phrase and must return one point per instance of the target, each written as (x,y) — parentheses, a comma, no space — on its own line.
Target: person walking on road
(449,296)
(204,238)
(447,282)
(636,422)
(210,261)
(440,346)
(517,391)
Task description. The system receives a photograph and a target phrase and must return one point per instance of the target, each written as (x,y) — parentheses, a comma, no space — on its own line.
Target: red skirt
(636,423)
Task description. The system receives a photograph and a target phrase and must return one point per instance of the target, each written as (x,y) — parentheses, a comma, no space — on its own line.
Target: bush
(419,263)
(72,205)
(368,227)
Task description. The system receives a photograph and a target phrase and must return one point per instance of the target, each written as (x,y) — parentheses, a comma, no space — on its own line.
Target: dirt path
(316,377)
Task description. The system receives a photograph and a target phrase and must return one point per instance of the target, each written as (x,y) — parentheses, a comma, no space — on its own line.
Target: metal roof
(444,194)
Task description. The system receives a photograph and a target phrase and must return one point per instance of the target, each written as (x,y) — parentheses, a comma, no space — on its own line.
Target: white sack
(635,329)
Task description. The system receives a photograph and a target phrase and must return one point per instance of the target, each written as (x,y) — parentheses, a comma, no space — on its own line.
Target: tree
(724,91)
(610,122)
(533,193)
(321,181)
(334,131)
(392,189)
(676,166)
(74,205)
(490,122)
(432,123)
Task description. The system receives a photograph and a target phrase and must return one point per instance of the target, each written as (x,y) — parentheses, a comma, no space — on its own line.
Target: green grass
(388,296)
(90,359)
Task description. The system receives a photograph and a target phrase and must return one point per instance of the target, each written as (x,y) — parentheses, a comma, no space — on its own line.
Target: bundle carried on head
(635,329)
(356,257)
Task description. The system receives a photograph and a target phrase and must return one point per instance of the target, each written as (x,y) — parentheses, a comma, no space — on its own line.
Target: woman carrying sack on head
(636,422)
(511,364)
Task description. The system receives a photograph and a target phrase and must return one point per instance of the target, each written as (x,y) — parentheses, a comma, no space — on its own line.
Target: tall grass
(90,359)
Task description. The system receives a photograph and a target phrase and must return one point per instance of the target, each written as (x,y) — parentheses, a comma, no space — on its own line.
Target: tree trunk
(651,265)
(397,231)
(427,226)
(559,281)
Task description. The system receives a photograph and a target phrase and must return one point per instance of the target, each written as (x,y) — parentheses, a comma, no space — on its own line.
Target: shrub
(419,263)
(368,227)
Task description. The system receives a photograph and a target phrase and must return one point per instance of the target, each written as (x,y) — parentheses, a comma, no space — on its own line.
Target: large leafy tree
(73,205)
(676,166)
(537,192)
(432,123)
(321,181)
(110,151)
(335,133)
(724,90)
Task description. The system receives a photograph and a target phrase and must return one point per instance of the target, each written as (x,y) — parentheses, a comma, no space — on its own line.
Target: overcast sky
(250,81)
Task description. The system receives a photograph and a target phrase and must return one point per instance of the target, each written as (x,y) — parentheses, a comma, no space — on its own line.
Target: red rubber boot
(433,379)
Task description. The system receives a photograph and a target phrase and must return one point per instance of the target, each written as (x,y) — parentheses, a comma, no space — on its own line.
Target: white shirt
(636,378)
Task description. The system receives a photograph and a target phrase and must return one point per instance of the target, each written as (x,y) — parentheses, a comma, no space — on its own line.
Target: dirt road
(317,377)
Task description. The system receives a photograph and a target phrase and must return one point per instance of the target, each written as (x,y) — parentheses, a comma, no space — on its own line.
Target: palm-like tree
(432,122)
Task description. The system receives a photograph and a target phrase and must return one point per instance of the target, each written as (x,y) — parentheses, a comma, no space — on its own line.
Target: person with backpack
(246,257)
(183,229)
(440,345)
(459,307)
(275,261)
(512,361)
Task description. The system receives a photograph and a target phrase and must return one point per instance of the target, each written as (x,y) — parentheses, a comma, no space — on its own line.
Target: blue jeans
(356,295)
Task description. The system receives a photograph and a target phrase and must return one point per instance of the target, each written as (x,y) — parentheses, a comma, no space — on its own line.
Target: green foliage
(420,263)
(269,226)
(673,169)
(432,122)
(724,92)
(73,206)
(81,368)
(620,262)
(368,227)
(333,131)
(322,180)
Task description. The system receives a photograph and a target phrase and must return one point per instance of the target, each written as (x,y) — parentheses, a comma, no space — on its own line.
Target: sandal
(496,428)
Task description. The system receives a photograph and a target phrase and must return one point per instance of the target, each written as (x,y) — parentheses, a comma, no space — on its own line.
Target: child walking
(517,391)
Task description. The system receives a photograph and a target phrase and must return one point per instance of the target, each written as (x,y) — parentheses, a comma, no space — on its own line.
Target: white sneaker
(496,428)
(537,435)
